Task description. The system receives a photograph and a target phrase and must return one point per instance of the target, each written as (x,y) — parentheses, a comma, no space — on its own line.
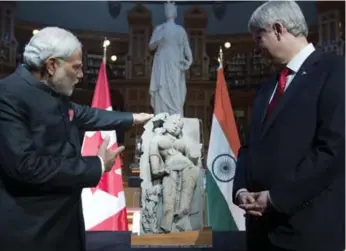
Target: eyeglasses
(78,67)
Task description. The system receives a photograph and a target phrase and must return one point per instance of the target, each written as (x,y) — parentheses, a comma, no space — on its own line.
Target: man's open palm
(109,156)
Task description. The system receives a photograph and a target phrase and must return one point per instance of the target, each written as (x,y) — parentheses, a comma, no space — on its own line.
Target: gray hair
(49,42)
(288,13)
(170,10)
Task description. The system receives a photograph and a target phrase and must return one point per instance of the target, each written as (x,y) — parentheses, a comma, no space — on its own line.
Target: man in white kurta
(172,59)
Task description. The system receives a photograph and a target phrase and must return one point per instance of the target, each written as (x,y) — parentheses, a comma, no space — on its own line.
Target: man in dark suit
(291,172)
(42,171)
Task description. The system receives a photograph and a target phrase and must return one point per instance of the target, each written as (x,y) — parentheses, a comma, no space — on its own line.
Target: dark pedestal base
(134,181)
(113,241)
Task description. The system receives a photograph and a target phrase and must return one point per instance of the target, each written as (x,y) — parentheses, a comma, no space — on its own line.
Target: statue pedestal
(193,239)
(134,181)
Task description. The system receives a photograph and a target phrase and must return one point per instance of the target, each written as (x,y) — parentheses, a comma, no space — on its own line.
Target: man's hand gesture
(108,156)
(141,118)
(254,203)
(247,201)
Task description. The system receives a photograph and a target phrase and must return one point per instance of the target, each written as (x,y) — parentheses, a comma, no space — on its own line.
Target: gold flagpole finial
(106,43)
(220,56)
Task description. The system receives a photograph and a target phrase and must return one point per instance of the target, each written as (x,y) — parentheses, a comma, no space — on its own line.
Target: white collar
(299,59)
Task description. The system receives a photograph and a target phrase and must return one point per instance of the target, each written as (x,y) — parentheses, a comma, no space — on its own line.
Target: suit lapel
(300,78)
(260,106)
(264,101)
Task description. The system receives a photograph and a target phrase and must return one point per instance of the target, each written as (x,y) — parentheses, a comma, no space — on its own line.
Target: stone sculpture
(172,179)
(173,57)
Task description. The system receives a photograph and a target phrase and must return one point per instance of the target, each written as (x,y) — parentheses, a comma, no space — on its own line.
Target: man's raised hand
(108,156)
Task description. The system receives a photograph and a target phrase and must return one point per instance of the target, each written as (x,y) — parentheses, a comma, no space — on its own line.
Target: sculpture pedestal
(193,239)
(134,181)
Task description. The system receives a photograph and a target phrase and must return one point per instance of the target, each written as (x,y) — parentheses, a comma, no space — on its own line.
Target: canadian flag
(104,206)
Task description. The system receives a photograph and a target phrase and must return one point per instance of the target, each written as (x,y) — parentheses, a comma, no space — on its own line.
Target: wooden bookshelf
(92,64)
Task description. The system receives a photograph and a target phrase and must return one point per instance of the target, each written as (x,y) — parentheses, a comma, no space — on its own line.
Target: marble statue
(173,57)
(172,179)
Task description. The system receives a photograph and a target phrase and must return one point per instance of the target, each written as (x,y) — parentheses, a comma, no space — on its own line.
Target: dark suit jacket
(298,154)
(42,171)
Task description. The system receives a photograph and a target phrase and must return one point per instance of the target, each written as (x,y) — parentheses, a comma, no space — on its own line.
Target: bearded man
(42,172)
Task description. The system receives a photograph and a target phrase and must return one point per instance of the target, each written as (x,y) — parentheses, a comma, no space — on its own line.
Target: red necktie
(280,89)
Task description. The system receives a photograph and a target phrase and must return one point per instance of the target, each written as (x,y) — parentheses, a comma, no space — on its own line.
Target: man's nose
(80,75)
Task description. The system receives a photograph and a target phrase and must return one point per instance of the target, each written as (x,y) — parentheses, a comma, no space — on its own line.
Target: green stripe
(219,217)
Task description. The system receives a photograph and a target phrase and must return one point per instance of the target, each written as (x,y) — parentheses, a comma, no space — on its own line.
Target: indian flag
(224,143)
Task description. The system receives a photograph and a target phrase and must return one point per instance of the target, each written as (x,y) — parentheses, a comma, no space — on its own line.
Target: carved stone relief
(172,179)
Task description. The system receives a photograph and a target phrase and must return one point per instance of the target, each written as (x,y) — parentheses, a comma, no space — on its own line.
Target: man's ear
(51,65)
(278,30)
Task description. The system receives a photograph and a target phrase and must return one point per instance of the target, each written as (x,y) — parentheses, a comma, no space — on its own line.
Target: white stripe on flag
(219,152)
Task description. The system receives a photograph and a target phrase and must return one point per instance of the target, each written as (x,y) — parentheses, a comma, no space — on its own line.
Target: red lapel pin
(70,114)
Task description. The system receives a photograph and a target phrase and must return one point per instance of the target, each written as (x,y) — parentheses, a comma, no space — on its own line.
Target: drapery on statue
(170,168)
(173,57)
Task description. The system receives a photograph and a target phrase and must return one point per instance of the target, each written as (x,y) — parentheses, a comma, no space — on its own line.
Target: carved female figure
(174,164)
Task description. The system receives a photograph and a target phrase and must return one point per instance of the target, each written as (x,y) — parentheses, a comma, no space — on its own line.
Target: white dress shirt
(294,65)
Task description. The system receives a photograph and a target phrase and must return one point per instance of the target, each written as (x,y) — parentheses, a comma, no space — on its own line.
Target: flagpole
(106,43)
(221,57)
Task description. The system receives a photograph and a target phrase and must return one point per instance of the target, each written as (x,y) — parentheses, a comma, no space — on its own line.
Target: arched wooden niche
(140,28)
(196,21)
